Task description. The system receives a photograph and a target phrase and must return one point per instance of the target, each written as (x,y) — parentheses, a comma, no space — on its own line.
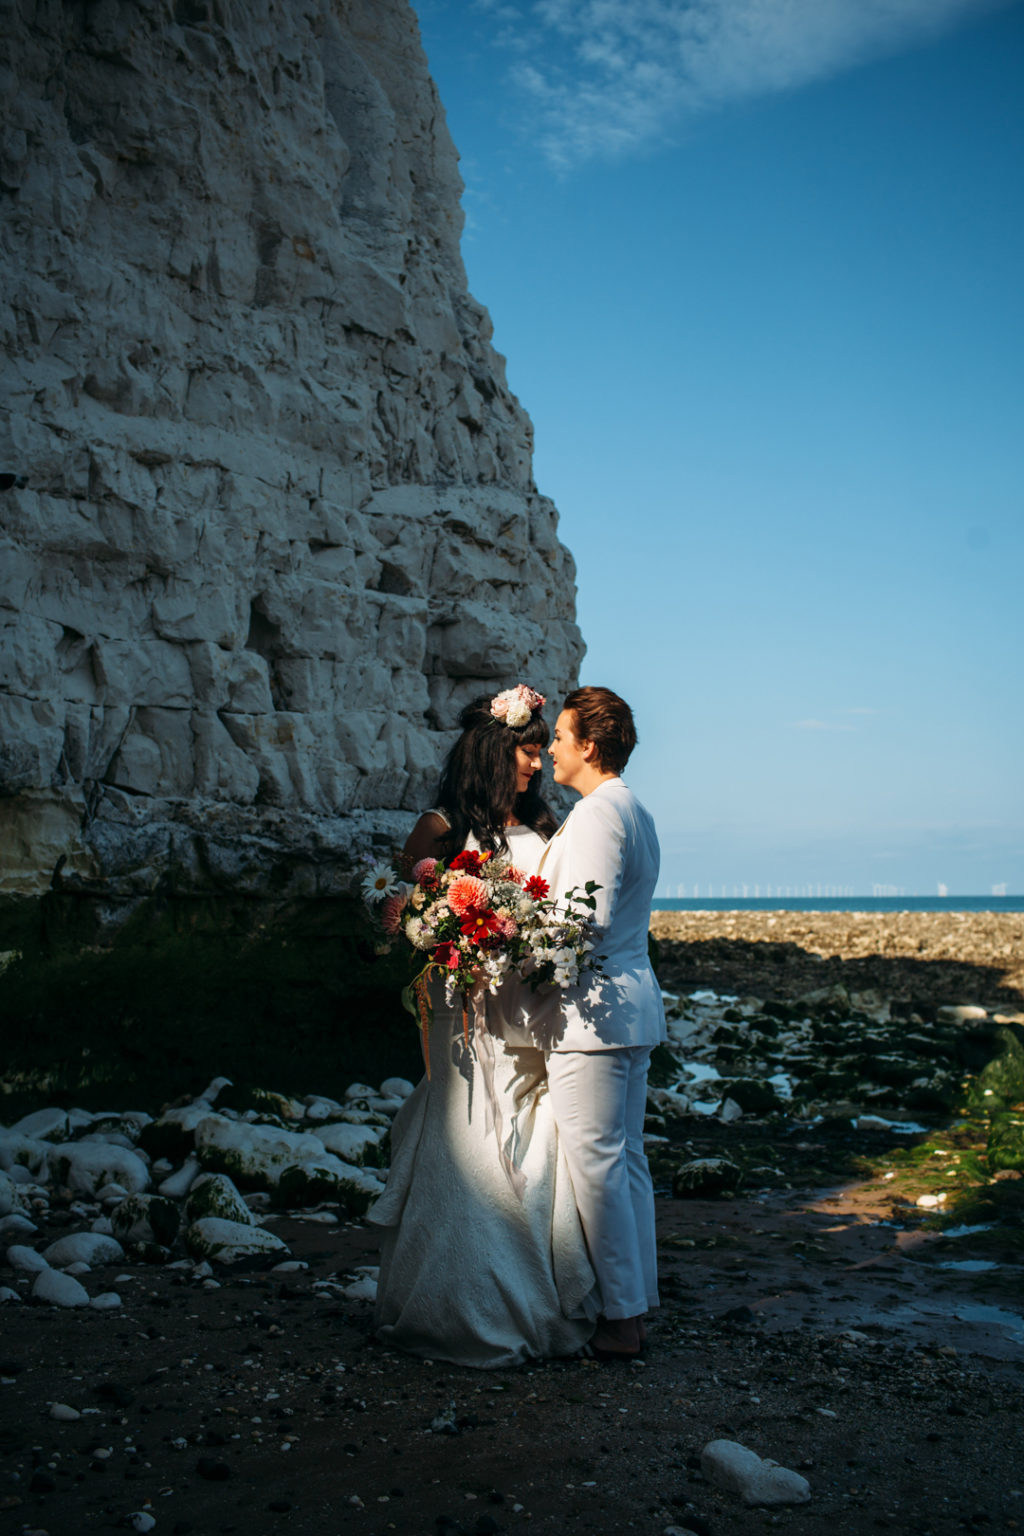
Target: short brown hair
(602,717)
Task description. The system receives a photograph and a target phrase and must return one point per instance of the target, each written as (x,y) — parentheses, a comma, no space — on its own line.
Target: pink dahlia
(391,910)
(507,927)
(465,892)
(423,870)
(511,872)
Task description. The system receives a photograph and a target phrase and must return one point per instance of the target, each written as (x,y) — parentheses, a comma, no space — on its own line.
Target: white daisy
(380,882)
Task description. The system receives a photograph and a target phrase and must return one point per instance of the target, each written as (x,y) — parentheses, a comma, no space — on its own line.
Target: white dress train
(483,1261)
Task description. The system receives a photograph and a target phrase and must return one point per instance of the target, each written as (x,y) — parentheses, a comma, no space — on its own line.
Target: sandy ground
(810,1318)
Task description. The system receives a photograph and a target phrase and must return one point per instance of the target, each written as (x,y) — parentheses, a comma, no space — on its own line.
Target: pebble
(64,1413)
(733,1467)
(107,1301)
(7,1294)
(141,1520)
(83,1248)
(16,1224)
(26,1259)
(59,1290)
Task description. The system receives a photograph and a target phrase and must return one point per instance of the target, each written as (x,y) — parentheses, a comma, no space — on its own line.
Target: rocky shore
(834,1130)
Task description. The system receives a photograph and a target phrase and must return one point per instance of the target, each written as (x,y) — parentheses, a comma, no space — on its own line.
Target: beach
(932,958)
(846,1304)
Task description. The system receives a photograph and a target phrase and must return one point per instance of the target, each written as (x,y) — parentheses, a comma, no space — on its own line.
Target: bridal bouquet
(478,919)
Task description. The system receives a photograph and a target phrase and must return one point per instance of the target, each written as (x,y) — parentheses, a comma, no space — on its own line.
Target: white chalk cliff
(268,516)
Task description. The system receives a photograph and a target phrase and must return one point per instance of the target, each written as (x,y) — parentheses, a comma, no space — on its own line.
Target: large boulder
(214,1194)
(144,1219)
(87,1167)
(229,1242)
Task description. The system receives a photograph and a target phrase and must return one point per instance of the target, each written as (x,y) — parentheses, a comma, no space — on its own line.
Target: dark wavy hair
(477,791)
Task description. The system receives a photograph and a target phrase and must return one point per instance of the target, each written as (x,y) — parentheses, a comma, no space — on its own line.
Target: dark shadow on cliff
(291,998)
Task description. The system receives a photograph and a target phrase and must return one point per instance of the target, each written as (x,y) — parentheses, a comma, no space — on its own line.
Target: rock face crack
(267,519)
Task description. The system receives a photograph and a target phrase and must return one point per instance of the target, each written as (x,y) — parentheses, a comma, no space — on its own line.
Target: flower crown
(516,705)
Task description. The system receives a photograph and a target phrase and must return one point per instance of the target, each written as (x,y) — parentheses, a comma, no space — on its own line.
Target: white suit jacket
(608,837)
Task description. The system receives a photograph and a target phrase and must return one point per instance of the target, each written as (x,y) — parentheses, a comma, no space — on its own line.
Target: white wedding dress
(483,1261)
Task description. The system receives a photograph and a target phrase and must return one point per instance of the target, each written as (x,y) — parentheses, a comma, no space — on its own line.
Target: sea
(838,904)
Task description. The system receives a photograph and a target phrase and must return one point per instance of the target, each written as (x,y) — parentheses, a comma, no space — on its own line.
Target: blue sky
(756,266)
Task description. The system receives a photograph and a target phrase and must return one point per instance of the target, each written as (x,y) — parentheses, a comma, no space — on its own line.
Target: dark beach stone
(705,1176)
(753,1095)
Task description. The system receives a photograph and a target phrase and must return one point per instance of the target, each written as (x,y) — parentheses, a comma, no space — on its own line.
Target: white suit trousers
(599,1100)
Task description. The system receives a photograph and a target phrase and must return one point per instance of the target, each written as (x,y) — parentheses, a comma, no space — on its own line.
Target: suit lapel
(547,849)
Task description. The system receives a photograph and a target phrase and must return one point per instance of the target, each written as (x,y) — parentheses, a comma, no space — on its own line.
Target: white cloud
(606,77)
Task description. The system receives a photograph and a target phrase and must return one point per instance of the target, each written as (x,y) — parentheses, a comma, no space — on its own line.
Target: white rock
(733,1467)
(360,1290)
(48,1124)
(26,1259)
(107,1301)
(213,1088)
(961,1013)
(16,1224)
(19,1175)
(266,1155)
(102,1224)
(113,1195)
(146,1219)
(59,1290)
(364,1288)
(929,1202)
(64,1413)
(8,1294)
(8,1195)
(360,1091)
(396,1088)
(214,1194)
(76,1268)
(89,1166)
(350,1142)
(17,1150)
(112,1138)
(729,1111)
(226,1241)
(136,1119)
(141,1520)
(83,1248)
(319,1108)
(177,1185)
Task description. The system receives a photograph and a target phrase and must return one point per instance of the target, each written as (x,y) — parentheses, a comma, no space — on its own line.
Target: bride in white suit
(599,1039)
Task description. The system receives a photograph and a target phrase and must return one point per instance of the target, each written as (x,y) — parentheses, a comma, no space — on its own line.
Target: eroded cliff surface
(273,518)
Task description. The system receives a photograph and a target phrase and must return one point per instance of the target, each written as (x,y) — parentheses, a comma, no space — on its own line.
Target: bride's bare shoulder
(424,841)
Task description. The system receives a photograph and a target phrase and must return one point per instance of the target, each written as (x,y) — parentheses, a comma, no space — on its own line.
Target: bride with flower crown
(483,1261)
